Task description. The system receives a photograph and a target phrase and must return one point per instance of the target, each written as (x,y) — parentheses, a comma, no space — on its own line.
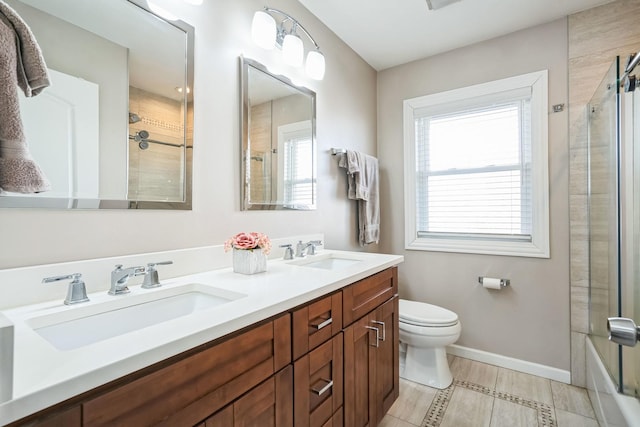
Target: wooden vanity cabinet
(332,362)
(189,391)
(371,352)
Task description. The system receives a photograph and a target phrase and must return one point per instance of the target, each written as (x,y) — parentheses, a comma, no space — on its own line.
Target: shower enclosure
(614,242)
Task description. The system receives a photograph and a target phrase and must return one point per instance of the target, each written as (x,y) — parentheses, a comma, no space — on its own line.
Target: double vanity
(312,341)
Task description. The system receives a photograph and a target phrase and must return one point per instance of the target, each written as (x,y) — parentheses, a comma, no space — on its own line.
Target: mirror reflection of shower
(142,138)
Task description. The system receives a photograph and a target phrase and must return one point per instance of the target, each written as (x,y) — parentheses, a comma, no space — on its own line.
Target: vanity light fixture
(267,34)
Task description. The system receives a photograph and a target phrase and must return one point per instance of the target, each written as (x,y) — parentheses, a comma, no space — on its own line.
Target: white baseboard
(511,363)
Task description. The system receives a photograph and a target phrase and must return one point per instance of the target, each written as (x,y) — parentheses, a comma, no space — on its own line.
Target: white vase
(249,261)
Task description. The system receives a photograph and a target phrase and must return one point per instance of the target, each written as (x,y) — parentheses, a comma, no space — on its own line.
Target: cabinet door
(267,405)
(359,374)
(387,363)
(318,383)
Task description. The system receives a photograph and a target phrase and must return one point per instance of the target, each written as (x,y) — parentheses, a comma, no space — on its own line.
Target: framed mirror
(278,141)
(114,128)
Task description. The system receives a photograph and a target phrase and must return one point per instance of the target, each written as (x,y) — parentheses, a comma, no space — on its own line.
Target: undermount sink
(327,261)
(88,325)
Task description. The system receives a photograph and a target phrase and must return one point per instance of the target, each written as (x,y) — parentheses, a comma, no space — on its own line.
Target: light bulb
(263,30)
(292,50)
(315,65)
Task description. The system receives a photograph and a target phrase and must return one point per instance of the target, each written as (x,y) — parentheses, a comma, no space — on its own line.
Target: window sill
(483,247)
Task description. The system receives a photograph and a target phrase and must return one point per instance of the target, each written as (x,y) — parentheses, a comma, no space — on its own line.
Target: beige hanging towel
(21,65)
(362,172)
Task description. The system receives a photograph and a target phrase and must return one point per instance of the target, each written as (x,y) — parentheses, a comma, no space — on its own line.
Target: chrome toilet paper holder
(503,282)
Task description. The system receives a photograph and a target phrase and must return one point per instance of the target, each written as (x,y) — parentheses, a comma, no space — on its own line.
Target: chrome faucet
(151,279)
(120,276)
(76,292)
(301,247)
(288,251)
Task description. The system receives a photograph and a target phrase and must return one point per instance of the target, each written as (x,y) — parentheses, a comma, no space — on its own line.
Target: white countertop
(45,375)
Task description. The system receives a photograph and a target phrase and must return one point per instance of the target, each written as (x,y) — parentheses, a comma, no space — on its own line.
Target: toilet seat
(425,315)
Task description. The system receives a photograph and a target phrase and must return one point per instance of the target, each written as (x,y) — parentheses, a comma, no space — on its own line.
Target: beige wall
(346,117)
(596,36)
(530,319)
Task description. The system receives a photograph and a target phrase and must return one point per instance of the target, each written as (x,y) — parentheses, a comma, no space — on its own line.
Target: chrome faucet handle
(151,279)
(312,246)
(77,291)
(120,276)
(300,247)
(288,252)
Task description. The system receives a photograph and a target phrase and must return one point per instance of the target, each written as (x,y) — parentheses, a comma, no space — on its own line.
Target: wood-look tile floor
(486,395)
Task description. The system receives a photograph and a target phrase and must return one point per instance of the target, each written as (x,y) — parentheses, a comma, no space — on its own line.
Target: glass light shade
(263,30)
(292,50)
(193,2)
(315,65)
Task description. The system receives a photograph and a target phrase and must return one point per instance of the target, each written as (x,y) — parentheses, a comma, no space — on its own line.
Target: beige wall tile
(580,309)
(578,364)
(599,28)
(579,262)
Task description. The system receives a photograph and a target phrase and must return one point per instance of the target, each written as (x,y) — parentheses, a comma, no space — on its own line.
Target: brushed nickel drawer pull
(377,344)
(320,323)
(384,329)
(319,389)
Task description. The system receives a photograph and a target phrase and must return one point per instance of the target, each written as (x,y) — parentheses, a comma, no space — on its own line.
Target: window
(295,142)
(476,178)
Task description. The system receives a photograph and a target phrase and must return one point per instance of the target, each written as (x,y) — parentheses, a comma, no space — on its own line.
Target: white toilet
(425,331)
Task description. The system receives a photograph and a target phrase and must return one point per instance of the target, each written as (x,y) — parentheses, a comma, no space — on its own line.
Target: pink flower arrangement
(249,241)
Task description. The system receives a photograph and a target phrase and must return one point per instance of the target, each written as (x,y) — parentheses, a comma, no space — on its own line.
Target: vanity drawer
(363,296)
(318,384)
(191,389)
(316,323)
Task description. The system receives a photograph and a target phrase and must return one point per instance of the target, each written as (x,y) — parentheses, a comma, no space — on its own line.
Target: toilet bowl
(425,331)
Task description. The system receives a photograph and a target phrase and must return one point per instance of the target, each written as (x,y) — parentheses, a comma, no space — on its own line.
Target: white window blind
(298,177)
(476,169)
(474,172)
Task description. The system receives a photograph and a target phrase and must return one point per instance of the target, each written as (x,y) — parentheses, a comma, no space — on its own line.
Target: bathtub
(612,408)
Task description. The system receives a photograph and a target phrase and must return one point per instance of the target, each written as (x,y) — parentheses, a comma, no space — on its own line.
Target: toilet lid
(423,314)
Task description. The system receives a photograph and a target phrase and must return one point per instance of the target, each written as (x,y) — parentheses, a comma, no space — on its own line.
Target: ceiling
(386,33)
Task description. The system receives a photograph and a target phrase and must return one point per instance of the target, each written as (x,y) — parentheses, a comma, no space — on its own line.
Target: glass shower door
(631,291)
(604,295)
